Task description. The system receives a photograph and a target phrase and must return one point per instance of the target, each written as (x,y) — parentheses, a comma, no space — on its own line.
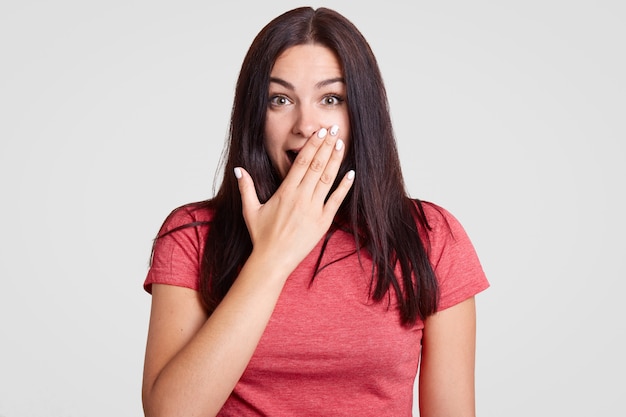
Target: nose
(306,122)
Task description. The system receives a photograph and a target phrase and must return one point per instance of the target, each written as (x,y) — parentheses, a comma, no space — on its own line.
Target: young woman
(311,284)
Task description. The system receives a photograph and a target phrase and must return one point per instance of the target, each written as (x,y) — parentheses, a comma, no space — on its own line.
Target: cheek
(270,141)
(273,148)
(272,133)
(344,124)
(269,137)
(346,134)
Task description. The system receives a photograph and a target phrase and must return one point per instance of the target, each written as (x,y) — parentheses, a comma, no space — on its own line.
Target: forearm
(201,376)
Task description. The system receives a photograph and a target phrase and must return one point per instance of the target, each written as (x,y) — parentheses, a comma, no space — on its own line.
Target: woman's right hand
(289,225)
(193,361)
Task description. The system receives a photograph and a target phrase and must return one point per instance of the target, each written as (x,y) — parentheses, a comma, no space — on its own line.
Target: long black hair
(383,219)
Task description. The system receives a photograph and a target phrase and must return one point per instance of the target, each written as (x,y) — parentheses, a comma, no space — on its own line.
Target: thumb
(249,199)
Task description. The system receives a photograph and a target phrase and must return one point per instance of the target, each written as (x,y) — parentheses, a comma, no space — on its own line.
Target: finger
(327,177)
(305,158)
(249,199)
(337,197)
(318,167)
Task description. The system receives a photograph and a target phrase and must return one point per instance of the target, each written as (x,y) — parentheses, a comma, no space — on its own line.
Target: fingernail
(238,173)
(333,130)
(338,144)
(322,133)
(351,174)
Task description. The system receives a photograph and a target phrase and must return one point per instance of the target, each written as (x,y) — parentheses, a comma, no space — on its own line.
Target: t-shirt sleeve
(452,255)
(177,251)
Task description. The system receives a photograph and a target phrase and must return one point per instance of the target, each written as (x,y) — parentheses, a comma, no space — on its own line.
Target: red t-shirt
(328,350)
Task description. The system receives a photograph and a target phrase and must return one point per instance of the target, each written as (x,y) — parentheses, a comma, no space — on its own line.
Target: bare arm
(446,380)
(193,362)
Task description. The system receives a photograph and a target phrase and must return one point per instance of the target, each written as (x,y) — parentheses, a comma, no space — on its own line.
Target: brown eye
(332,100)
(279,101)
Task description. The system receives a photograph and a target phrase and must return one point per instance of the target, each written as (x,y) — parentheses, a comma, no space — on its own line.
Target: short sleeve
(452,255)
(178,249)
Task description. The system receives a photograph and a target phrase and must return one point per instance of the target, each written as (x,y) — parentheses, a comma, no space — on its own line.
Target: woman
(311,284)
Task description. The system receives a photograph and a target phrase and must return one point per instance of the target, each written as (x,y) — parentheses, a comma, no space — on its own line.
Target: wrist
(271,267)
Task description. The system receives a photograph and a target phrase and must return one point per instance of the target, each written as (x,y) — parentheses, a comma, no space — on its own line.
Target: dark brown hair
(377,210)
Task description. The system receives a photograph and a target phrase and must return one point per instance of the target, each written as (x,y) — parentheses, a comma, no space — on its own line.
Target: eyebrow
(320,84)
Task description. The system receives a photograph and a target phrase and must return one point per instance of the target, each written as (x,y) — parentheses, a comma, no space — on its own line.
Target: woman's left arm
(446,380)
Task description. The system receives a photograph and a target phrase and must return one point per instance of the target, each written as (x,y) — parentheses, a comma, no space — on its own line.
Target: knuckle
(243,186)
(301,160)
(326,178)
(316,165)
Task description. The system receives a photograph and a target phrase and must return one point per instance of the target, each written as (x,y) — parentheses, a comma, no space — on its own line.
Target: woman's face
(306,93)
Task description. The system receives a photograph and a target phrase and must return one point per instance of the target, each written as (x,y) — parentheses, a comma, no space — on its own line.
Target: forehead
(307,61)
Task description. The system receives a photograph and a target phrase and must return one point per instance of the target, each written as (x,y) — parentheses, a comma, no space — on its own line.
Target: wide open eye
(279,100)
(332,100)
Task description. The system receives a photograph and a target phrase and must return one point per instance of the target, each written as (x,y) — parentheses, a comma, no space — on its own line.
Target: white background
(508,113)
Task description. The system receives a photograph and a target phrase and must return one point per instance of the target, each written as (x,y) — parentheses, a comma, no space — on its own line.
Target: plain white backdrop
(510,114)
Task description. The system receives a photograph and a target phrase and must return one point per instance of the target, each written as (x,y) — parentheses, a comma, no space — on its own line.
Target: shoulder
(438,223)
(452,256)
(178,247)
(188,215)
(443,231)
